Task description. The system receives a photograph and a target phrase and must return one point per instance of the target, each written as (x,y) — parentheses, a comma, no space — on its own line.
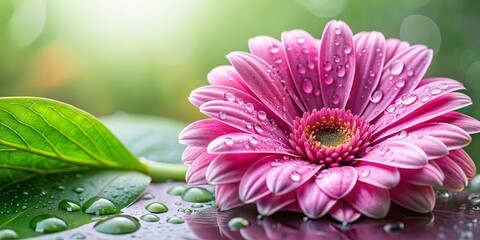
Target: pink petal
(369,65)
(337,48)
(202,132)
(270,204)
(369,200)
(416,198)
(409,103)
(400,75)
(259,76)
(227,76)
(247,143)
(229,168)
(313,201)
(301,52)
(253,185)
(396,154)
(226,196)
(192,153)
(338,181)
(393,47)
(455,178)
(432,109)
(433,147)
(452,136)
(467,123)
(196,172)
(461,158)
(428,175)
(243,117)
(271,50)
(344,212)
(377,175)
(205,94)
(290,175)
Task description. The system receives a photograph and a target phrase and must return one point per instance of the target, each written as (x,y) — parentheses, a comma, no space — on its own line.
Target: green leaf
(41,136)
(149,137)
(154,140)
(42,195)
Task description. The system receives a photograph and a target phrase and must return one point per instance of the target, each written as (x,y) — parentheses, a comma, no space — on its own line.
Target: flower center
(331,137)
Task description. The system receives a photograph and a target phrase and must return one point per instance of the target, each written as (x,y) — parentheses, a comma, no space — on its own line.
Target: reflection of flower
(210,224)
(343,125)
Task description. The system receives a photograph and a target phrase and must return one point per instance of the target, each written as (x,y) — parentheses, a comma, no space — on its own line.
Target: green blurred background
(145,56)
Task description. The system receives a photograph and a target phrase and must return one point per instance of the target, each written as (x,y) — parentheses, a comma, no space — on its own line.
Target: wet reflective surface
(456,216)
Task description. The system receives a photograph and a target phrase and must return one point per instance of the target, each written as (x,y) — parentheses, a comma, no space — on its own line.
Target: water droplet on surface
(253,140)
(47,224)
(100,206)
(175,220)
(249,107)
(410,72)
(310,65)
(156,207)
(347,49)
(337,31)
(229,96)
(197,194)
(177,190)
(390,227)
(122,224)
(274,49)
(403,134)
(301,69)
(336,58)
(327,66)
(365,173)
(408,98)
(328,80)
(397,67)
(150,217)
(147,196)
(295,176)
(376,96)
(228,141)
(8,234)
(300,40)
(78,190)
(371,74)
(341,71)
(238,223)
(335,100)
(390,108)
(400,82)
(222,115)
(69,206)
(258,128)
(307,85)
(197,205)
(435,91)
(425,98)
(262,115)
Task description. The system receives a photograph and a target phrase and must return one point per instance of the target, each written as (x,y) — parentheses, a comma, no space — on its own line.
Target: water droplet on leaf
(47,224)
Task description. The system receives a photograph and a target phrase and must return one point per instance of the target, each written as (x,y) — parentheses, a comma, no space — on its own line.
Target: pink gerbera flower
(343,125)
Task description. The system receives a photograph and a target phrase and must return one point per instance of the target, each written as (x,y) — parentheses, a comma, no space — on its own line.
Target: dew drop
(8,234)
(371,74)
(365,173)
(300,40)
(178,189)
(197,195)
(229,96)
(425,98)
(435,91)
(76,236)
(403,134)
(238,223)
(408,98)
(47,224)
(310,65)
(262,115)
(78,190)
(397,67)
(228,141)
(253,140)
(222,115)
(376,96)
(307,85)
(335,100)
(122,224)
(390,227)
(327,66)
(147,196)
(175,220)
(301,69)
(340,71)
(274,49)
(100,206)
(249,125)
(337,31)
(249,107)
(150,217)
(400,82)
(156,207)
(276,164)
(336,58)
(328,80)
(295,176)
(197,205)
(390,108)
(347,49)
(69,206)
(410,72)
(258,128)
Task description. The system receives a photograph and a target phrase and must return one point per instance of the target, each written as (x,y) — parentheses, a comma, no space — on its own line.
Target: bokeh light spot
(473,75)
(421,29)
(27,22)
(324,8)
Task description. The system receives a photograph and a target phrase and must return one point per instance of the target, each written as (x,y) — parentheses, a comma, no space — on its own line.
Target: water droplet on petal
(307,85)
(310,65)
(301,69)
(340,71)
(274,49)
(435,91)
(376,96)
(408,98)
(327,66)
(229,96)
(410,72)
(228,141)
(335,100)
(400,82)
(222,115)
(347,49)
(425,98)
(300,40)
(258,129)
(365,173)
(372,74)
(253,140)
(262,115)
(249,107)
(403,134)
(397,67)
(337,31)
(390,108)
(328,80)
(336,58)
(295,176)
(118,225)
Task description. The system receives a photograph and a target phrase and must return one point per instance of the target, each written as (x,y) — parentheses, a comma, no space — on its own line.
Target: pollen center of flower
(332,137)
